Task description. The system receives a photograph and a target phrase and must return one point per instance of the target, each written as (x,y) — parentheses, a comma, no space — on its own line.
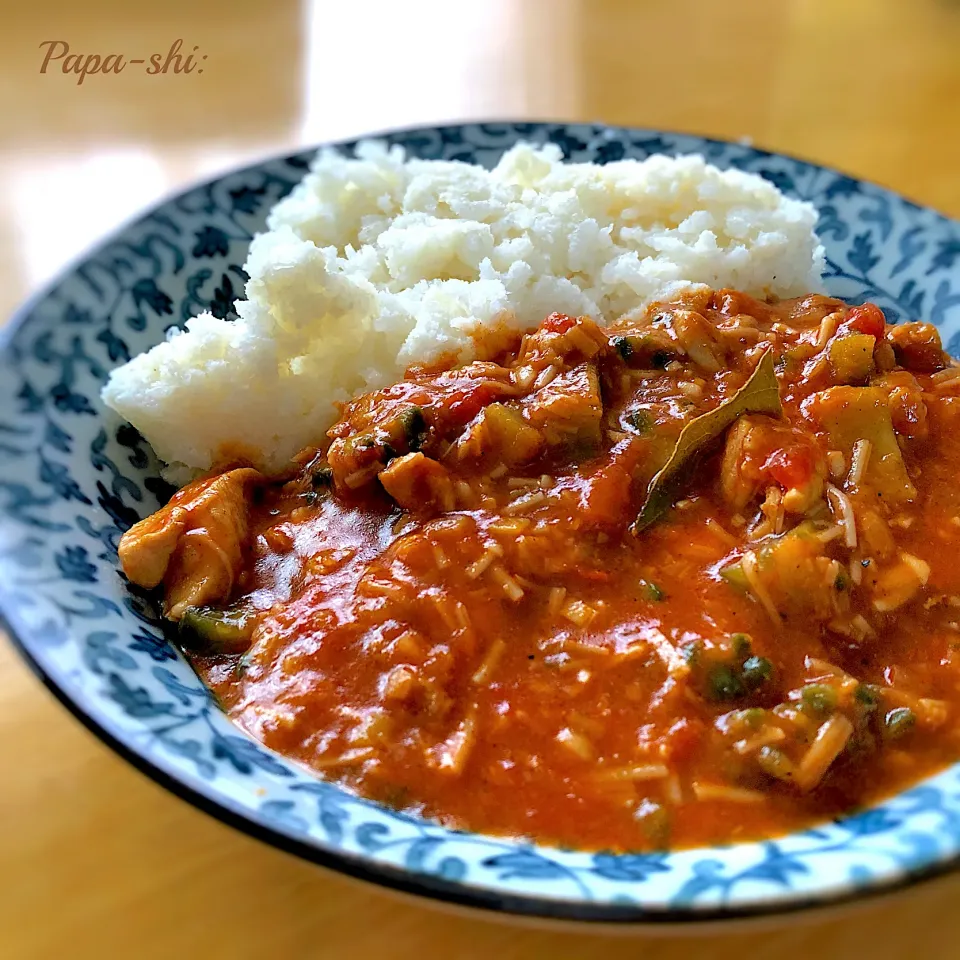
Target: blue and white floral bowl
(73,478)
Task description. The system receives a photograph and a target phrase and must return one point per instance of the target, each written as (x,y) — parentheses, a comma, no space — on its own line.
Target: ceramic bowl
(73,478)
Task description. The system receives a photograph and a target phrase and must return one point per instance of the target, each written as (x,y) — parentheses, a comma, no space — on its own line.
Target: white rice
(375,263)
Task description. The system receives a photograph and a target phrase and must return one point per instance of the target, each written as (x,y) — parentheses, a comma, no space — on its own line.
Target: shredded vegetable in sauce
(687,579)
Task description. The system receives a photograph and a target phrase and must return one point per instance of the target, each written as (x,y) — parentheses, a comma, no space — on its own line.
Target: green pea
(651,591)
(898,722)
(654,819)
(818,698)
(724,684)
(752,717)
(691,652)
(395,797)
(741,643)
(756,671)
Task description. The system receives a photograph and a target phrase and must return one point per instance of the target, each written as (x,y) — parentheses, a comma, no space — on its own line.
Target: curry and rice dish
(685,578)
(557,501)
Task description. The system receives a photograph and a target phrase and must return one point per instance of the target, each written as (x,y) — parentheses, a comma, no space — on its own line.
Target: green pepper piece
(322,476)
(769,556)
(734,575)
(849,414)
(624,347)
(414,428)
(639,420)
(644,350)
(208,630)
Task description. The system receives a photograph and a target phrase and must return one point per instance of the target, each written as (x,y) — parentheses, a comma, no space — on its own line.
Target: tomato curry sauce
(688,579)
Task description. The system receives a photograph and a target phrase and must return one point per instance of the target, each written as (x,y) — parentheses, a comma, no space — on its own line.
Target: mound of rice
(378,262)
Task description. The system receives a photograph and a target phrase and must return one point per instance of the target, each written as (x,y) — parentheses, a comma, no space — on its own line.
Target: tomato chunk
(464,403)
(791,467)
(867,318)
(558,323)
(606,497)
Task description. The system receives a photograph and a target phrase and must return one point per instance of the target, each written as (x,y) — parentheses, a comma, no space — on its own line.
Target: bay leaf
(760,394)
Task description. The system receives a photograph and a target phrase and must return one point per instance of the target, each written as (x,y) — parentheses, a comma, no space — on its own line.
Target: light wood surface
(98,861)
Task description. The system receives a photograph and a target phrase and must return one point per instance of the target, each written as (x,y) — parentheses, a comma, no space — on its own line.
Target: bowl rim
(427,887)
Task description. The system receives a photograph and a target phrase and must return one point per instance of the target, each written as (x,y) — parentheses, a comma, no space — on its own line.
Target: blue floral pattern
(73,478)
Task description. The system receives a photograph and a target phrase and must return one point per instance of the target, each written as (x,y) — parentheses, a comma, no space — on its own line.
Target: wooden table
(97,860)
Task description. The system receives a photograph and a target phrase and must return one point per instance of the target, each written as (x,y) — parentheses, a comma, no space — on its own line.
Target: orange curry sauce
(446,608)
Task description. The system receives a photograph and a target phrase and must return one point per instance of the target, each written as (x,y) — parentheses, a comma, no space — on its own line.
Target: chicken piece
(760,451)
(740,479)
(898,583)
(409,416)
(568,409)
(146,548)
(415,481)
(697,337)
(917,346)
(194,544)
(809,311)
(876,540)
(427,408)
(559,341)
